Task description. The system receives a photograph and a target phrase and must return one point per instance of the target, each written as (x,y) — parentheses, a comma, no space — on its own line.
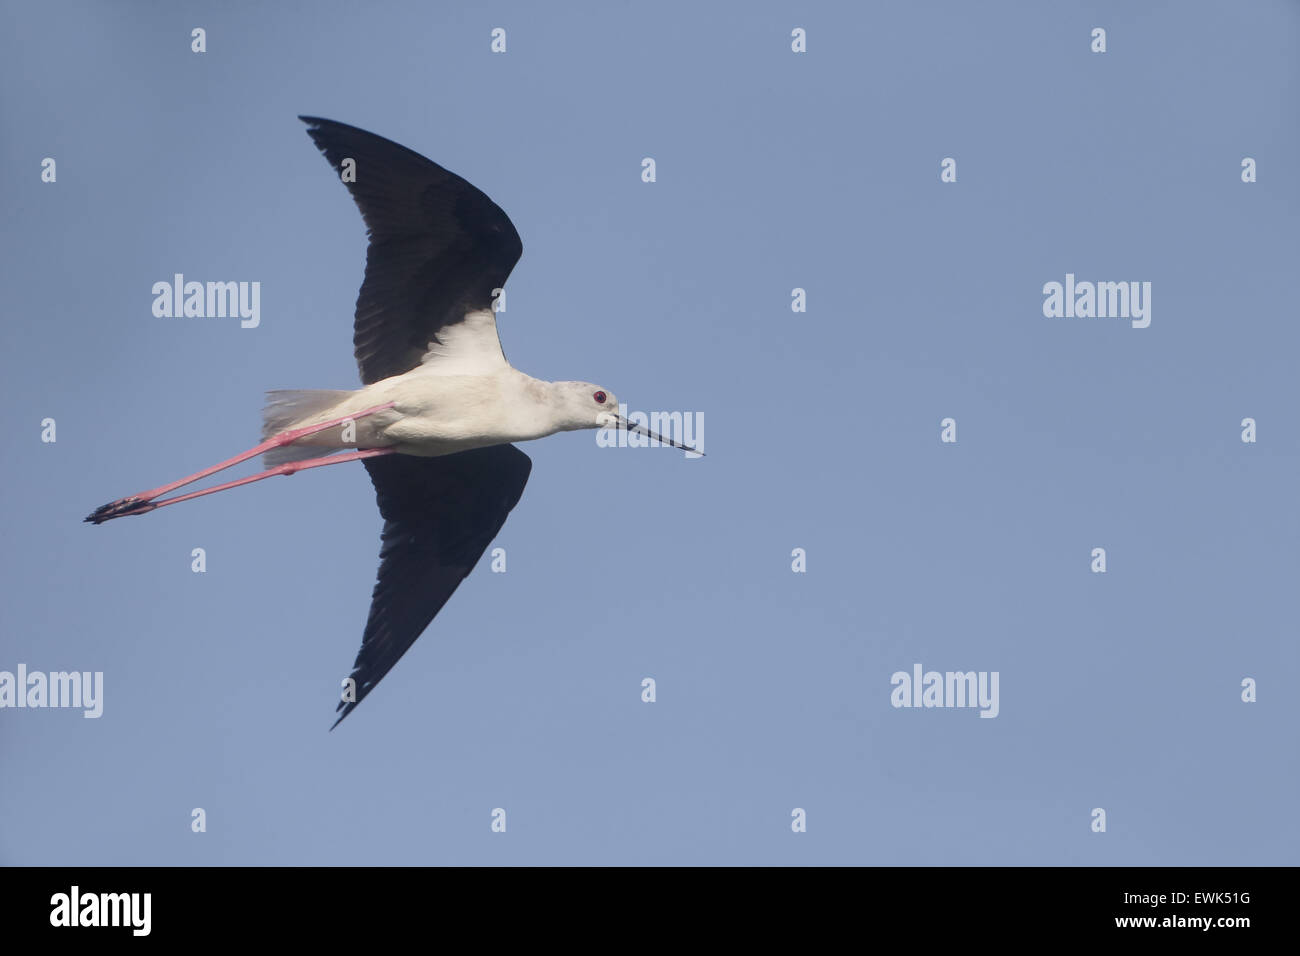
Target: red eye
(600,398)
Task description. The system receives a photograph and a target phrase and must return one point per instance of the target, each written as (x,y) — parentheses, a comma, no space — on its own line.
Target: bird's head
(584,405)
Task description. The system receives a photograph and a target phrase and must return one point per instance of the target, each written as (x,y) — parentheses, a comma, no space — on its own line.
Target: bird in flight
(440,406)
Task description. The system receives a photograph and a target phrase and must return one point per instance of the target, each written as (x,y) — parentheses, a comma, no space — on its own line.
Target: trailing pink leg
(128,505)
(288,468)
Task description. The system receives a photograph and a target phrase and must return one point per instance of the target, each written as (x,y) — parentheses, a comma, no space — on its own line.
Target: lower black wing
(439,514)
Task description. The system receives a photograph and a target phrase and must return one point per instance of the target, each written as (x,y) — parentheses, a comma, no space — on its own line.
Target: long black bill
(642,430)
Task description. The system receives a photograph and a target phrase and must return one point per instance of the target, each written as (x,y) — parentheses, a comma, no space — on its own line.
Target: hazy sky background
(775,170)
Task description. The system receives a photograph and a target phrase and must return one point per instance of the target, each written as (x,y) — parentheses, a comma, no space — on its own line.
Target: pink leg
(144,507)
(127,505)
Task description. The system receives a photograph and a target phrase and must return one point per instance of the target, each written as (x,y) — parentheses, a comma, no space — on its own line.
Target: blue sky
(775,171)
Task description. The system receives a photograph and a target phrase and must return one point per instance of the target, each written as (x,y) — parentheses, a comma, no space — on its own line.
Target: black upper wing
(438,247)
(439,514)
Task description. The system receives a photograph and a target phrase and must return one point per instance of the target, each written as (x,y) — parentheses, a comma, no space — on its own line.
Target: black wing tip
(347,707)
(318,126)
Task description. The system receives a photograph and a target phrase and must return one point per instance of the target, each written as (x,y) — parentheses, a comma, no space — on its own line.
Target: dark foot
(119,509)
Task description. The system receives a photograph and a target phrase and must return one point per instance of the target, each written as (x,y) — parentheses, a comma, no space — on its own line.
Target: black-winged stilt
(440,404)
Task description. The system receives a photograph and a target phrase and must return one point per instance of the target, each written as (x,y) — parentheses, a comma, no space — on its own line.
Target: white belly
(442,414)
(436,414)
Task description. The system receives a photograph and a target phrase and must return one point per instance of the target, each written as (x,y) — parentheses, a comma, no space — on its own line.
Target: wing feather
(439,247)
(440,514)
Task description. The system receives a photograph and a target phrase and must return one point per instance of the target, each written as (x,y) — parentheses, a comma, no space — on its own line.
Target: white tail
(286,408)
